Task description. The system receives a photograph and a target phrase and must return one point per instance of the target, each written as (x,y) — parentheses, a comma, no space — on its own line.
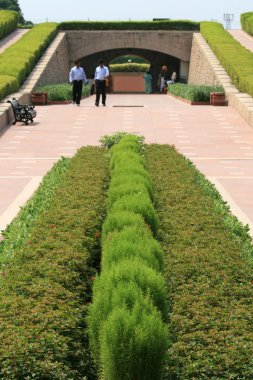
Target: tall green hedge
(126,319)
(247,22)
(8,22)
(236,59)
(130,25)
(18,60)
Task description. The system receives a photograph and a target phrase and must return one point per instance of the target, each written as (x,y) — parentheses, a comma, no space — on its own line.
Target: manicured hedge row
(18,232)
(8,22)
(129,67)
(44,293)
(209,273)
(126,319)
(193,92)
(226,49)
(26,52)
(62,91)
(247,22)
(130,25)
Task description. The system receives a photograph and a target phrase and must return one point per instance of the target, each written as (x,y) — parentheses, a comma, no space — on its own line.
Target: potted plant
(217,98)
(39,98)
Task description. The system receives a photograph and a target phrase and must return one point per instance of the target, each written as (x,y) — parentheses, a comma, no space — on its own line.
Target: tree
(12,5)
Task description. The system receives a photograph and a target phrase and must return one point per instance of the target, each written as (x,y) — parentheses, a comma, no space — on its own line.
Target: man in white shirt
(101,73)
(77,78)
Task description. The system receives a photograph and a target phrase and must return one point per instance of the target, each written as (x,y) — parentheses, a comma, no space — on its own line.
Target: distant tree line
(13,5)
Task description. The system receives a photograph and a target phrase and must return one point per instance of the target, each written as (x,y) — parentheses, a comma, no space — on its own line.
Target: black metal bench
(23,113)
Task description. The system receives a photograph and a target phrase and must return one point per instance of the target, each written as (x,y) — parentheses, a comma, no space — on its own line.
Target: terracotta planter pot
(39,98)
(217,99)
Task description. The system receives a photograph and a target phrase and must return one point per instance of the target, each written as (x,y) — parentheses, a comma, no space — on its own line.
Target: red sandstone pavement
(244,38)
(216,139)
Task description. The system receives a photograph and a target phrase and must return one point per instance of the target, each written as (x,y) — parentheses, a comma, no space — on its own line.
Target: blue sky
(60,10)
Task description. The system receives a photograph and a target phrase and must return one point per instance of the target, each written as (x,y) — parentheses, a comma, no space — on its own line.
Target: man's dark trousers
(100,89)
(77,91)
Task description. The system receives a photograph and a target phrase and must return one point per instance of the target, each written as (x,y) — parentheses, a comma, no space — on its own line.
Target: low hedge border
(18,232)
(226,49)
(209,273)
(129,67)
(247,22)
(8,22)
(130,25)
(126,319)
(27,50)
(194,93)
(45,292)
(61,91)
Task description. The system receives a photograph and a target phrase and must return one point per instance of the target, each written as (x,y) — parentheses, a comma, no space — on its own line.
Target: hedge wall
(208,261)
(26,52)
(247,22)
(226,48)
(8,22)
(129,67)
(45,291)
(130,25)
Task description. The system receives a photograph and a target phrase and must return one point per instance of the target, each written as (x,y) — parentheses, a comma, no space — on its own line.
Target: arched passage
(156,60)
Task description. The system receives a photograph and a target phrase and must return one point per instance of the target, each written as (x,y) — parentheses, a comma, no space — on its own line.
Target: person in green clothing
(148,82)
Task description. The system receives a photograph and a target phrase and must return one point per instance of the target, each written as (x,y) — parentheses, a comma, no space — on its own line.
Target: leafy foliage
(129,67)
(208,262)
(235,58)
(46,289)
(27,50)
(247,22)
(61,91)
(130,25)
(8,22)
(12,5)
(192,92)
(126,319)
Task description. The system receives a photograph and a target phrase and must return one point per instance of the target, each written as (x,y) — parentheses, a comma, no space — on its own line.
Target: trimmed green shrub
(45,291)
(8,84)
(116,221)
(8,22)
(19,230)
(129,67)
(61,91)
(247,22)
(130,25)
(107,141)
(129,188)
(138,204)
(133,272)
(131,242)
(226,49)
(192,92)
(27,50)
(208,264)
(129,296)
(131,338)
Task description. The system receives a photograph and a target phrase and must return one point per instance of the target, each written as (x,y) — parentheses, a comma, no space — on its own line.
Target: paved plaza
(216,139)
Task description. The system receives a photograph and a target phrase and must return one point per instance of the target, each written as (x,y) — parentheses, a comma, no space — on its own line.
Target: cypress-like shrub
(126,319)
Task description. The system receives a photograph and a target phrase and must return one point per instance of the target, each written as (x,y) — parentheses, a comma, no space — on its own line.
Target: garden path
(216,139)
(244,38)
(11,39)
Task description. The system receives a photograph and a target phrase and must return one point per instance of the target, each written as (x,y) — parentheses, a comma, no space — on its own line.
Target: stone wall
(57,68)
(201,70)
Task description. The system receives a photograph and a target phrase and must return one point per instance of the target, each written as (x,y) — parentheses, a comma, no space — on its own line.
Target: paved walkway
(244,38)
(12,38)
(216,139)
